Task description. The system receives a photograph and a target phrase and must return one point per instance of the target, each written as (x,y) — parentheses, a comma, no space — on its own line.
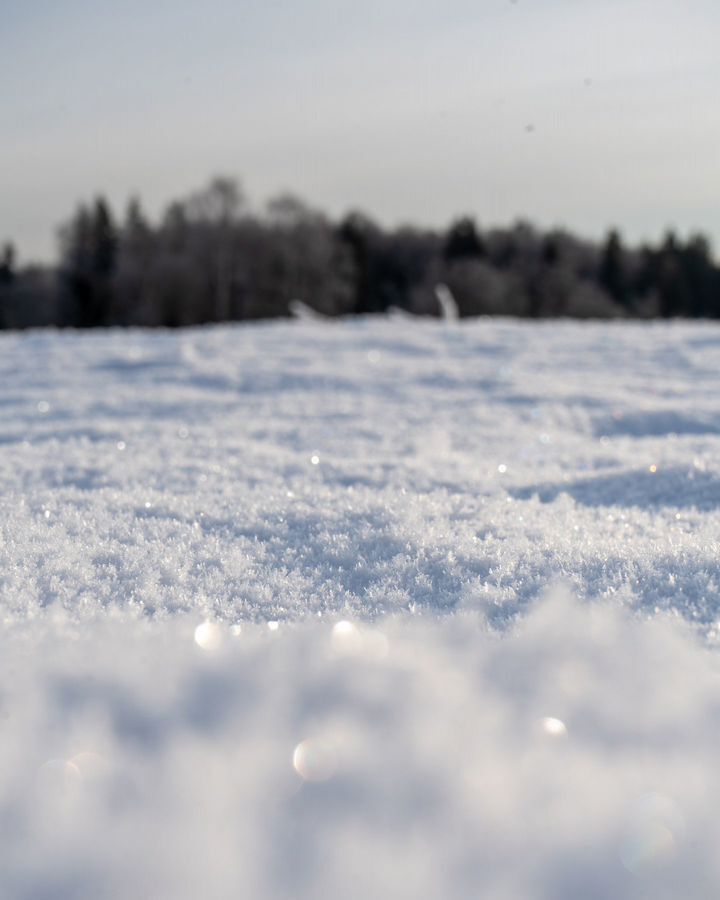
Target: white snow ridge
(374,608)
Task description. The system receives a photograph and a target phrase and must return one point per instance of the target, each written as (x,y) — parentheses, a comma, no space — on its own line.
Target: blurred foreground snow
(360,609)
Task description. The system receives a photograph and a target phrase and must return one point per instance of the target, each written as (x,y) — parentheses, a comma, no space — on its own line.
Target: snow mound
(572,756)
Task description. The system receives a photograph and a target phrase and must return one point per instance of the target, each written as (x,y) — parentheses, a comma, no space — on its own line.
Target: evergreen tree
(90,244)
(357,233)
(136,230)
(613,270)
(104,240)
(673,288)
(551,250)
(700,277)
(7,264)
(463,241)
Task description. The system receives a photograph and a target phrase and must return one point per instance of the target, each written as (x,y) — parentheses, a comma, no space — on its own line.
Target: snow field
(365,608)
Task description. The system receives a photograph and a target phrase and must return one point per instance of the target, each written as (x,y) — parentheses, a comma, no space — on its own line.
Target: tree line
(211,258)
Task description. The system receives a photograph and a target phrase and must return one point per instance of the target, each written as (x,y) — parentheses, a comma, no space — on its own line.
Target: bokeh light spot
(208,636)
(315,760)
(554,727)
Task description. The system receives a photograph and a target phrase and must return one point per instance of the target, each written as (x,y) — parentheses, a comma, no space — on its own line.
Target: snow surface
(372,608)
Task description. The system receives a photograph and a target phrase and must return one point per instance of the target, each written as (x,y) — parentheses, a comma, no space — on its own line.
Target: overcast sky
(583,113)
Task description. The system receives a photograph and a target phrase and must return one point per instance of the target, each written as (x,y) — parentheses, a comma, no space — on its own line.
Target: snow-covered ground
(374,608)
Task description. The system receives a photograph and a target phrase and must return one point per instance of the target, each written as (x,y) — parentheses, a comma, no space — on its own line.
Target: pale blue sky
(412,111)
